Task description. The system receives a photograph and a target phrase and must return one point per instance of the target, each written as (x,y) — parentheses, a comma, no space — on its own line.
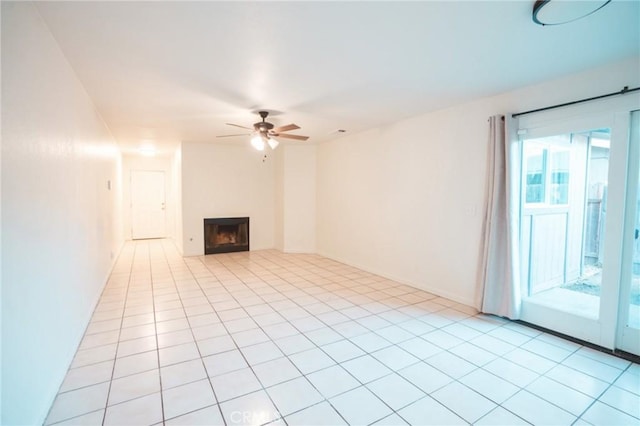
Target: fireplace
(226,235)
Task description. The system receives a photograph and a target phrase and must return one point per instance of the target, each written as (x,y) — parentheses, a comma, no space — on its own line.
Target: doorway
(148,214)
(579,225)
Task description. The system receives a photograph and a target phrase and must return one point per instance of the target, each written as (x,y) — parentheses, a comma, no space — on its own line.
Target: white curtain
(499,281)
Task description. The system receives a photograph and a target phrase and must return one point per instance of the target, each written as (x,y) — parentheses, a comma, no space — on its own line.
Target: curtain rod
(624,91)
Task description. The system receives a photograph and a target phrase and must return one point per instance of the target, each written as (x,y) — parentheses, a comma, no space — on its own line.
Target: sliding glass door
(563,219)
(629,313)
(578,220)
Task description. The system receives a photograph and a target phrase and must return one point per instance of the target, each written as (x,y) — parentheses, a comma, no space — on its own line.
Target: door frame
(628,338)
(131,205)
(614,113)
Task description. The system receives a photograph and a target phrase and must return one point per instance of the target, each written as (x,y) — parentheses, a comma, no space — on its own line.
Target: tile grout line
(238,348)
(610,385)
(287,356)
(515,347)
(115,357)
(296,278)
(394,344)
(264,388)
(344,338)
(339,364)
(194,338)
(153,301)
(420,360)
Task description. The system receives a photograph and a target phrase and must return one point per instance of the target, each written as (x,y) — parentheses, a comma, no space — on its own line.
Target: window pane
(559,177)
(535,163)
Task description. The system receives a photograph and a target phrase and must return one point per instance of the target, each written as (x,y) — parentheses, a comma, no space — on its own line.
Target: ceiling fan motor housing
(263,126)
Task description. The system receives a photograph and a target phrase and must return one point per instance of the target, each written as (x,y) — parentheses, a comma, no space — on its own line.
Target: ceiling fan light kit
(557,12)
(257,142)
(264,133)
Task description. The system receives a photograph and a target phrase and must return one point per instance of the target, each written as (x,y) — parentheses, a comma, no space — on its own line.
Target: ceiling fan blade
(229,136)
(286,128)
(296,137)
(237,125)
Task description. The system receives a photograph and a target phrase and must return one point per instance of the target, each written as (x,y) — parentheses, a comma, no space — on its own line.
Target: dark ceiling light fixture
(556,12)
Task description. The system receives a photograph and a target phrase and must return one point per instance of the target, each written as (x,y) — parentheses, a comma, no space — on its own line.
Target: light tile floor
(258,337)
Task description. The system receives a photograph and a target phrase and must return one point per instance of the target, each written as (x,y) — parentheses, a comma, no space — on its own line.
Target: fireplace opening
(226,235)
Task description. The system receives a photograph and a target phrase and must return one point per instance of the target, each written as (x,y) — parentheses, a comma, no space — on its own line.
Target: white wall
(407,201)
(61,226)
(176,189)
(278,159)
(226,181)
(163,164)
(298,198)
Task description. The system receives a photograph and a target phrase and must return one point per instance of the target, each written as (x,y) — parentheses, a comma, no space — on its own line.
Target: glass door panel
(629,321)
(563,212)
(580,223)
(633,317)
(634,293)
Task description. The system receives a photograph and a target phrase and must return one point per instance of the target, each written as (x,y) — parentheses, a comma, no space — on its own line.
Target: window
(536,157)
(547,171)
(559,177)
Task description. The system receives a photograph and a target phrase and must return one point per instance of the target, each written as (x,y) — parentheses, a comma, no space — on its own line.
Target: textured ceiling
(178,71)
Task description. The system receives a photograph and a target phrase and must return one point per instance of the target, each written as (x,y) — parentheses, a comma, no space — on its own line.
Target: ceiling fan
(264,133)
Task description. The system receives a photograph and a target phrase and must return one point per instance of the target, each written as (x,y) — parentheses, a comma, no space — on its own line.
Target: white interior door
(148,219)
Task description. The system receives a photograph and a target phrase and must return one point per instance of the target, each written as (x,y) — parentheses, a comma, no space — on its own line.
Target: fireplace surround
(226,235)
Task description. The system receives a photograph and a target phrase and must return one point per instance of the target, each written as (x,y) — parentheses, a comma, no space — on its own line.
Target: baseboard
(72,354)
(298,251)
(425,287)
